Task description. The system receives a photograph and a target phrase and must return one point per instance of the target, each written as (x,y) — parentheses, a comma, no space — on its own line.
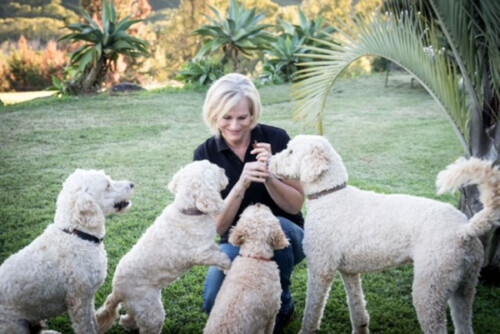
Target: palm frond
(399,37)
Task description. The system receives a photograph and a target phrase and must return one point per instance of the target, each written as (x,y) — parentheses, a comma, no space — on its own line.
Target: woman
(242,147)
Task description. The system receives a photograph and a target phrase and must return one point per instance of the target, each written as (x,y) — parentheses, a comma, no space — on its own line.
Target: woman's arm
(287,194)
(252,172)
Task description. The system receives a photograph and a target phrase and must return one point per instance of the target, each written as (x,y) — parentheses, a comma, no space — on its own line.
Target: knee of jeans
(295,235)
(207,305)
(213,282)
(209,298)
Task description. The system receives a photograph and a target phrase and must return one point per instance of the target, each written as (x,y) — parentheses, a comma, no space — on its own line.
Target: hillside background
(31,54)
(45,19)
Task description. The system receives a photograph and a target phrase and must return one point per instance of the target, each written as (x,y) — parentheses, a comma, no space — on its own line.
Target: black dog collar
(84,236)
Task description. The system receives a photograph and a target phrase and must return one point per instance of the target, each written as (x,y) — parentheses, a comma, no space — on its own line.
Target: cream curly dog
(181,237)
(354,231)
(61,270)
(250,297)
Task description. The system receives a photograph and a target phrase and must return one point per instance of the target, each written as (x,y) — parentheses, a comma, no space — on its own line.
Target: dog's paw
(225,265)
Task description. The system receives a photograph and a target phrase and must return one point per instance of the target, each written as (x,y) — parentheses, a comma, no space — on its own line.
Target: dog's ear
(237,236)
(208,199)
(279,239)
(172,185)
(314,163)
(89,214)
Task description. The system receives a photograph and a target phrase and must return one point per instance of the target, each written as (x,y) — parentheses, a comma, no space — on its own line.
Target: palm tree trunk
(94,78)
(485,143)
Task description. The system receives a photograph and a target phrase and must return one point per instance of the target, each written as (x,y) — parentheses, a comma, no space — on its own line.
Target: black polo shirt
(216,150)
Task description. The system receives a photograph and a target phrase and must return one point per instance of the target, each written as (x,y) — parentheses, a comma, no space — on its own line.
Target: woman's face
(235,125)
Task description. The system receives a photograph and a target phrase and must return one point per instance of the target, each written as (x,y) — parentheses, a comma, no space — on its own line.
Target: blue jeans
(286,259)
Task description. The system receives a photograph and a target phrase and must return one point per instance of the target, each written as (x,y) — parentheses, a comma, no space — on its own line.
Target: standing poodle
(354,231)
(249,298)
(181,237)
(61,270)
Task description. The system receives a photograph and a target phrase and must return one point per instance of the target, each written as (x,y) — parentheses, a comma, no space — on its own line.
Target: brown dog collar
(191,212)
(261,258)
(327,191)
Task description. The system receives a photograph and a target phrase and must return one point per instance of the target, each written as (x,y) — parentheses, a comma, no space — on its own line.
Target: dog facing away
(354,231)
(62,269)
(249,298)
(181,237)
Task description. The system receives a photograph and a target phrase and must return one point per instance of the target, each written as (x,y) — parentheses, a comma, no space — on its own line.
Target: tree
(454,52)
(236,35)
(101,48)
(35,20)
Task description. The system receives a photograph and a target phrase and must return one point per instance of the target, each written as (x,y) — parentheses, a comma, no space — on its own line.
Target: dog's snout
(132,186)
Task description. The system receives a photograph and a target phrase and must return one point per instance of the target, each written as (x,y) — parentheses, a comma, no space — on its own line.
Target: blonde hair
(224,94)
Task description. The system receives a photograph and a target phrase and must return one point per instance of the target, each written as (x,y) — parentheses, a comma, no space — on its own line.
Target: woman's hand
(253,172)
(262,151)
(288,194)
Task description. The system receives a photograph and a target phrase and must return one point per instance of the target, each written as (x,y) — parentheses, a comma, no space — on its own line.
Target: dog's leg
(81,312)
(357,304)
(270,325)
(127,321)
(461,303)
(430,295)
(148,312)
(14,327)
(214,257)
(462,299)
(318,289)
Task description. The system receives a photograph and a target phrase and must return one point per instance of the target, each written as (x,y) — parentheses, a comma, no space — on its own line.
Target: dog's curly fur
(59,271)
(249,298)
(181,237)
(354,231)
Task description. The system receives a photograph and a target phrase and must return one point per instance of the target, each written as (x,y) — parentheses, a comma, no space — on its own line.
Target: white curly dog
(61,270)
(250,296)
(354,231)
(181,237)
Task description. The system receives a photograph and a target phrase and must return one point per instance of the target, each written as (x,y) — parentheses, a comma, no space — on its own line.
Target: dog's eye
(108,186)
(290,152)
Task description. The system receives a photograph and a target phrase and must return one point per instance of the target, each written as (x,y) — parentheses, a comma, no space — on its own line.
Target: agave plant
(203,71)
(282,59)
(309,29)
(454,53)
(237,35)
(101,47)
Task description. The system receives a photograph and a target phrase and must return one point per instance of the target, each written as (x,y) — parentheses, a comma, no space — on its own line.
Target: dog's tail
(108,313)
(487,177)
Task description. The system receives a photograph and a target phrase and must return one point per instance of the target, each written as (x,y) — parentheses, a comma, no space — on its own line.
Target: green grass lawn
(393,140)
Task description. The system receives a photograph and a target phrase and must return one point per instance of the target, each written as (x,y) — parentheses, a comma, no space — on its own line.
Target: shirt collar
(255,134)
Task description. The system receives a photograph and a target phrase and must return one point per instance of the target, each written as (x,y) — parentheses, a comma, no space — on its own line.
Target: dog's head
(258,232)
(306,159)
(198,185)
(89,195)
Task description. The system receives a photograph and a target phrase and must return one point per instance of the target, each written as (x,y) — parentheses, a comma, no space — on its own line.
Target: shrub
(203,71)
(282,59)
(102,46)
(27,68)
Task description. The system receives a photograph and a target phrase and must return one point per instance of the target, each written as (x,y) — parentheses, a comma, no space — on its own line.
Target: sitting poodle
(354,231)
(181,237)
(249,298)
(61,270)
